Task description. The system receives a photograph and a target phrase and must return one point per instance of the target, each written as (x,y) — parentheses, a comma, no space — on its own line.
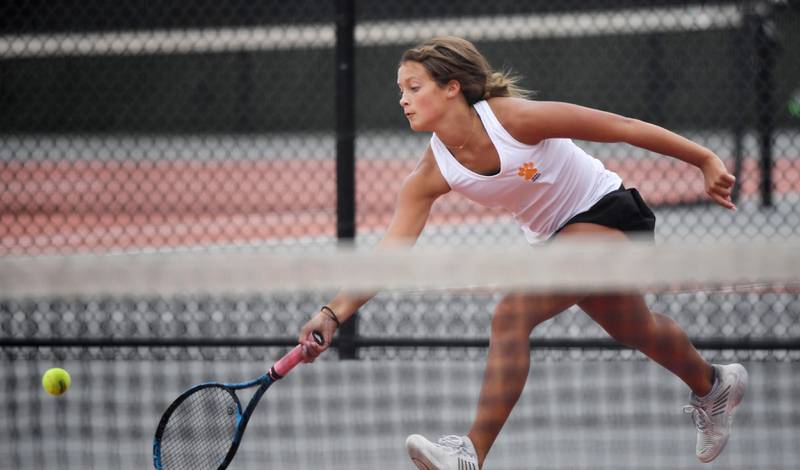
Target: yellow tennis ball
(56,381)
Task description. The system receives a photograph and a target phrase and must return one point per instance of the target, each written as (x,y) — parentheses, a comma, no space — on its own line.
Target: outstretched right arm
(413,206)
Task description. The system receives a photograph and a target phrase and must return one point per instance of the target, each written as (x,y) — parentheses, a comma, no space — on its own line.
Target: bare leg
(509,361)
(626,317)
(628,320)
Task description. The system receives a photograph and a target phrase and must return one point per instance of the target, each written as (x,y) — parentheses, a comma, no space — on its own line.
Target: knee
(634,336)
(512,317)
(646,334)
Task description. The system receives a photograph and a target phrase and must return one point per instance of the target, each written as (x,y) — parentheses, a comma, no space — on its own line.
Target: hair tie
(331,315)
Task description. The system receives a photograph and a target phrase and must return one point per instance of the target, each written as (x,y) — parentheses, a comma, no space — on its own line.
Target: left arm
(535,121)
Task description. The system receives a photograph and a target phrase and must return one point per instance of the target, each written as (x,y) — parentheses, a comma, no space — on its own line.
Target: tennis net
(135,330)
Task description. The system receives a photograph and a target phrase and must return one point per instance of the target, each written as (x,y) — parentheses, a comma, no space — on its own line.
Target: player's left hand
(719,183)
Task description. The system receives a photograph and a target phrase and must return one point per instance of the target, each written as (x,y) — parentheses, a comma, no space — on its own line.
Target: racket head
(198,429)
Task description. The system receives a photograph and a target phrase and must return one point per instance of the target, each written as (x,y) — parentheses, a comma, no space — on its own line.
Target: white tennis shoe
(713,414)
(451,453)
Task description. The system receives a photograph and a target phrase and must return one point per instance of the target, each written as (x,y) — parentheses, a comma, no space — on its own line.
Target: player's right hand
(324,325)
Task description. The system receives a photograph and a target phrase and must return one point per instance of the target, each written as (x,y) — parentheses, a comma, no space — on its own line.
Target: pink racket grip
(294,357)
(289,361)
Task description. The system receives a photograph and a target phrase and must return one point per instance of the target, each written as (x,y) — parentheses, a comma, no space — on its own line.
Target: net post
(345,149)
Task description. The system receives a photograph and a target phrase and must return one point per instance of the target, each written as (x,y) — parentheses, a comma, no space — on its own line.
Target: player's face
(422,99)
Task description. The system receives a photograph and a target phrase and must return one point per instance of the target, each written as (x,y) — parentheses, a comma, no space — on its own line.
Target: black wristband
(331,315)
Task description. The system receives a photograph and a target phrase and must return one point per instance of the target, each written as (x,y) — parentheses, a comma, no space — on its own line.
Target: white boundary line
(374,33)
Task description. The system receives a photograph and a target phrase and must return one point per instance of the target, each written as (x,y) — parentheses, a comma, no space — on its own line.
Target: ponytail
(452,58)
(504,84)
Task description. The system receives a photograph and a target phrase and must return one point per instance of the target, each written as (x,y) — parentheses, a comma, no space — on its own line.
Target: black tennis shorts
(622,209)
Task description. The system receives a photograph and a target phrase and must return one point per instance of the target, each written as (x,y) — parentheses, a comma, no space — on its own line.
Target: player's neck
(458,129)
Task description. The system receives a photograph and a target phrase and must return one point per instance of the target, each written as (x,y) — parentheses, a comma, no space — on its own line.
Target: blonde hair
(452,58)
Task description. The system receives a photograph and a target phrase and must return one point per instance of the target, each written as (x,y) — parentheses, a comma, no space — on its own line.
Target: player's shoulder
(511,109)
(426,177)
(427,161)
(519,116)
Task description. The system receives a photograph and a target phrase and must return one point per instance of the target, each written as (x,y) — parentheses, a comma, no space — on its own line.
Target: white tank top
(542,185)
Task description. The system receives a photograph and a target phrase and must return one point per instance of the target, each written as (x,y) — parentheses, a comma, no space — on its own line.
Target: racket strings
(200,430)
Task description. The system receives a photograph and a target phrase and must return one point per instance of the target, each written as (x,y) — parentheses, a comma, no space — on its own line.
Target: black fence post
(765,48)
(345,150)
(743,76)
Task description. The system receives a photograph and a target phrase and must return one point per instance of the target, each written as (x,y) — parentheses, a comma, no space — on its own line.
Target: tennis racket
(203,427)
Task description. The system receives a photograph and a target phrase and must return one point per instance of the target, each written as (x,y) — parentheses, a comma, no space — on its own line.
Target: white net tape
(572,265)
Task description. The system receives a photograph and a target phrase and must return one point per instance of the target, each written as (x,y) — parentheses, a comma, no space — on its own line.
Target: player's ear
(453,88)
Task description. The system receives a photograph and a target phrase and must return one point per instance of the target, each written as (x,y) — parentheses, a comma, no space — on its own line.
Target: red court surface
(101,205)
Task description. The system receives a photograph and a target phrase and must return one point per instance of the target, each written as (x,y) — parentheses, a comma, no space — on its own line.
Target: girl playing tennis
(499,149)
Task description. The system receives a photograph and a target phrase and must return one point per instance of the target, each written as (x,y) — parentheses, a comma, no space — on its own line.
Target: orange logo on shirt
(529,172)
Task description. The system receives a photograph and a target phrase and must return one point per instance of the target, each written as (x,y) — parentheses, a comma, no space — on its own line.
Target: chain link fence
(137,125)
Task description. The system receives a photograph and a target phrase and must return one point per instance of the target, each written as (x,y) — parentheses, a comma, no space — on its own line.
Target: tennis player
(500,149)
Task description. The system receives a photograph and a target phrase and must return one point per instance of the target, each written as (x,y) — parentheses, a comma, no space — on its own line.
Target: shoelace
(701,418)
(455,445)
